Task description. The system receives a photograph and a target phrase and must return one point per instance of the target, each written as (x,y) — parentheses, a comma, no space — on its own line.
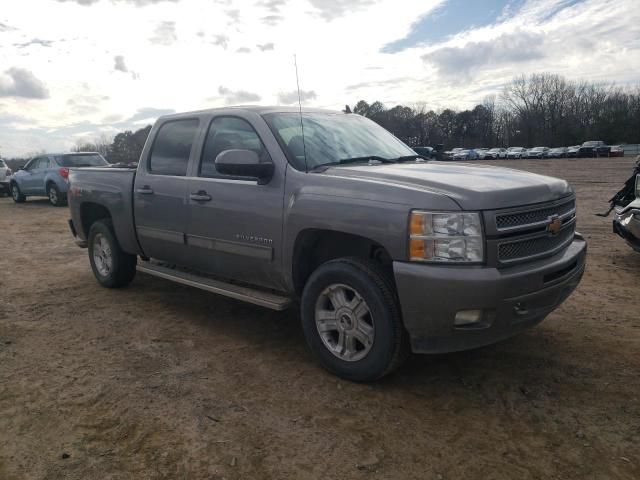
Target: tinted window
(330,137)
(227,133)
(172,147)
(81,160)
(32,165)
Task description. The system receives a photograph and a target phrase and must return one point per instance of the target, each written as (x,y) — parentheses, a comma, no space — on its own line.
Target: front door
(160,191)
(235,224)
(30,175)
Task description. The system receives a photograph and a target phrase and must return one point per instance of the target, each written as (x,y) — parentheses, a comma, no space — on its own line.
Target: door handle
(200,196)
(146,190)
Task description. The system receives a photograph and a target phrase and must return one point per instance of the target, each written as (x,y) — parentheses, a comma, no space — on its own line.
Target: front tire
(56,198)
(112,267)
(351,320)
(17,196)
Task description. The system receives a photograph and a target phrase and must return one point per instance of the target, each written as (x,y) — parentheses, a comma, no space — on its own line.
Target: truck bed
(104,187)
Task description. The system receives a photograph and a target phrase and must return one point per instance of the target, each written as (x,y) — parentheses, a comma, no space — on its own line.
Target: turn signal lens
(417,224)
(417,248)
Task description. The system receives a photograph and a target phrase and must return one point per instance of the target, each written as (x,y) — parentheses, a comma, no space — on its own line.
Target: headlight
(637,186)
(446,237)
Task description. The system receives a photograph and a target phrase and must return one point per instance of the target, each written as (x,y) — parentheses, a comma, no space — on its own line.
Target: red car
(616,151)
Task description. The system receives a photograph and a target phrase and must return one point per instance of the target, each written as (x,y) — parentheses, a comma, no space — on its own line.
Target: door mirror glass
(243,163)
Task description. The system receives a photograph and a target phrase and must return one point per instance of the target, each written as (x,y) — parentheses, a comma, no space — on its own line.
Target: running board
(245,294)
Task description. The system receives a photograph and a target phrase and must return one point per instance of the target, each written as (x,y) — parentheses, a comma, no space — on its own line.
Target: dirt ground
(164,381)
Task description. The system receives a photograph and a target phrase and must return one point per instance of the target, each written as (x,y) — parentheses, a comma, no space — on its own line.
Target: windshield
(332,137)
(81,160)
(515,149)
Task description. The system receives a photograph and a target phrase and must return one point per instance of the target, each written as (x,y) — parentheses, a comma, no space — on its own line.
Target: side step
(249,295)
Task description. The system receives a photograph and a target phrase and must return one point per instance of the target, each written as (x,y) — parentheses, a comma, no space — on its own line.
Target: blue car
(49,175)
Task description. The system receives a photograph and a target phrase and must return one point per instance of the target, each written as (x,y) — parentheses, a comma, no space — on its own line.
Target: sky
(74,70)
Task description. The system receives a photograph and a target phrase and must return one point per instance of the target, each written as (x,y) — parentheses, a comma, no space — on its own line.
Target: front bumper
(627,225)
(4,185)
(511,299)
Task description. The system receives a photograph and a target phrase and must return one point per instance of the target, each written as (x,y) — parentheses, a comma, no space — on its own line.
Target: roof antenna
(304,146)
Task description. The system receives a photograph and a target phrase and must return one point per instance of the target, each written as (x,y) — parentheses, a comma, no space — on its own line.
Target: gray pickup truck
(384,251)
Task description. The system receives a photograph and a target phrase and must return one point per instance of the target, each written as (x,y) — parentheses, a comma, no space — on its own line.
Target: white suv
(5,173)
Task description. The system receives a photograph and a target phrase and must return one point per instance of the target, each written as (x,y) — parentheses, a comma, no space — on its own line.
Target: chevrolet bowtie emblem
(554,225)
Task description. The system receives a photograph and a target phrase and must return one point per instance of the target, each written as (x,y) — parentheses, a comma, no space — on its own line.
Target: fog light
(468,317)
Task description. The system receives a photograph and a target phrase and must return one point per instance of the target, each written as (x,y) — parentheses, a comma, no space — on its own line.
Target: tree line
(539,110)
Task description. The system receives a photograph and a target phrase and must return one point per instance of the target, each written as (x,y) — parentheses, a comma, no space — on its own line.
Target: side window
(33,164)
(172,147)
(227,133)
(45,163)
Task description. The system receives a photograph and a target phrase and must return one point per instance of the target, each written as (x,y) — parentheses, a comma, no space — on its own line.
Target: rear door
(159,194)
(46,164)
(235,224)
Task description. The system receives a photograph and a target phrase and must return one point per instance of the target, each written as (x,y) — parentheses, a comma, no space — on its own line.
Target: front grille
(532,217)
(532,247)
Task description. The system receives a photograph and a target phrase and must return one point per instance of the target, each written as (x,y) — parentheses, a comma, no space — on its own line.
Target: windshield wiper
(345,161)
(411,157)
(362,159)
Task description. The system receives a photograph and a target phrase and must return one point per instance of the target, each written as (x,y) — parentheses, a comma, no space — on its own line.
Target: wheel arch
(315,246)
(90,213)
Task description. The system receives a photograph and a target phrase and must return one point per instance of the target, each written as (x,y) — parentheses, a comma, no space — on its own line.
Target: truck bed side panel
(110,188)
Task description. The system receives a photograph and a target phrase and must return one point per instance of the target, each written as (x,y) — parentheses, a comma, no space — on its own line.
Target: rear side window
(172,147)
(228,133)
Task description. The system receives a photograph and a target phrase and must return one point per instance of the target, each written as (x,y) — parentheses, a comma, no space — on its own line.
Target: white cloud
(20,82)
(119,64)
(509,48)
(287,98)
(235,97)
(164,33)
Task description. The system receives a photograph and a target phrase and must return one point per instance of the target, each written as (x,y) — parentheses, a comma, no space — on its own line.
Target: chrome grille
(535,217)
(532,247)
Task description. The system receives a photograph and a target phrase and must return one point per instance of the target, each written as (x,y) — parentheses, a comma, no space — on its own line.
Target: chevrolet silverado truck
(384,251)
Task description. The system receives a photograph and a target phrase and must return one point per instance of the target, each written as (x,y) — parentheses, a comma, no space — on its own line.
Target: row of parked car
(595,148)
(46,175)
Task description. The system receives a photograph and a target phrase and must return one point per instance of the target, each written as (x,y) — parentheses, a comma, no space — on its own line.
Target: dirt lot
(164,381)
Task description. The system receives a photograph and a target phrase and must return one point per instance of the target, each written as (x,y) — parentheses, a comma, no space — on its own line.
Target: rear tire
(112,267)
(351,320)
(17,196)
(56,198)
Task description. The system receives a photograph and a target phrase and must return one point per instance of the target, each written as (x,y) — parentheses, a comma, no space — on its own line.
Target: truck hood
(473,187)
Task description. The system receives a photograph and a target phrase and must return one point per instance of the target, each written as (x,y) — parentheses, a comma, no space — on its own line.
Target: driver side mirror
(244,163)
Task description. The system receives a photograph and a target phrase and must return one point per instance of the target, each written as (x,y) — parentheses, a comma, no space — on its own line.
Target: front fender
(18,178)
